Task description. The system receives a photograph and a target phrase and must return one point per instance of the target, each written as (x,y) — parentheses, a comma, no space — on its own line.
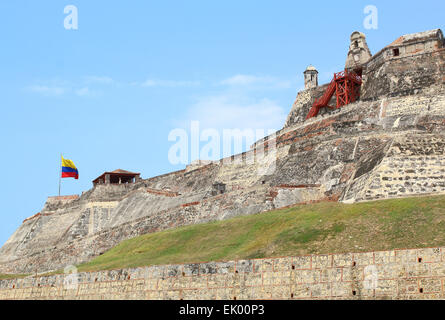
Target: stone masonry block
(413,270)
(262,265)
(407,256)
(208,268)
(226,267)
(321,261)
(301,291)
(303,262)
(363,258)
(384,257)
(386,287)
(430,285)
(282,264)
(342,260)
(306,276)
(320,290)
(429,255)
(341,289)
(198,282)
(387,271)
(171,295)
(244,266)
(331,275)
(353,274)
(216,281)
(281,292)
(223,294)
(406,286)
(253,279)
(437,269)
(191,269)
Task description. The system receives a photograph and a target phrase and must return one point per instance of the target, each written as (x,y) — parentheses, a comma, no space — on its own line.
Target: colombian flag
(69,170)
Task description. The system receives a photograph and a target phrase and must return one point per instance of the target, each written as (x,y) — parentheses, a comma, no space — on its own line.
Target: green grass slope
(307,229)
(12,276)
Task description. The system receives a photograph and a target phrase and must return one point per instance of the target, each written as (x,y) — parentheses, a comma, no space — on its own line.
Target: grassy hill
(307,229)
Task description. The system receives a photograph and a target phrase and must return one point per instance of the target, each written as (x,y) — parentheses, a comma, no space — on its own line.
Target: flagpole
(60,173)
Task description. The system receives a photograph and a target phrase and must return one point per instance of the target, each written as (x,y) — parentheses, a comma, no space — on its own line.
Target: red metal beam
(346,86)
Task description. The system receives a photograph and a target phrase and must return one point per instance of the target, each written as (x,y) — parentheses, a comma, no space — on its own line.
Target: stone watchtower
(358,53)
(310,78)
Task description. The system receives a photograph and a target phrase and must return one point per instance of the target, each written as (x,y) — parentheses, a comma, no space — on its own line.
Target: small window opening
(420,260)
(396,52)
(354,293)
(421,290)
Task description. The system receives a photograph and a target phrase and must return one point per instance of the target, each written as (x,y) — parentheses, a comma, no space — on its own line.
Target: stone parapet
(395,274)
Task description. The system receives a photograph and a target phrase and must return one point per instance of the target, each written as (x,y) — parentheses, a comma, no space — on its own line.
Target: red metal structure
(346,86)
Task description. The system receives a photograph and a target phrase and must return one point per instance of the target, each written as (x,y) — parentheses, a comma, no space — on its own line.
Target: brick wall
(395,274)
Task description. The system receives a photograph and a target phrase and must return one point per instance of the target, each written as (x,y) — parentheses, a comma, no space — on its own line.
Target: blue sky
(108,94)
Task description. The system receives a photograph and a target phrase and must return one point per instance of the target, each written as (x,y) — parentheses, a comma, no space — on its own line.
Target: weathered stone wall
(390,145)
(395,274)
(403,76)
(339,156)
(303,104)
(408,46)
(415,164)
(420,65)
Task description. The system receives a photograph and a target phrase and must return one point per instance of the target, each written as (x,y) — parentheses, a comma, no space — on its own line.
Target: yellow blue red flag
(69,170)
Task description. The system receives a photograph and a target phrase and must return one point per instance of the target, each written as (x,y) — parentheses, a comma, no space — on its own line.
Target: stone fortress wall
(395,274)
(388,144)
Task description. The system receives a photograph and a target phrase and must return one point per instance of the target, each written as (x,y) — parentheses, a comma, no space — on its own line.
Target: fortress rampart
(390,143)
(395,274)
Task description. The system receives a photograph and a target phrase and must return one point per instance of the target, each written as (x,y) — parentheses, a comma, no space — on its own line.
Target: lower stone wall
(395,274)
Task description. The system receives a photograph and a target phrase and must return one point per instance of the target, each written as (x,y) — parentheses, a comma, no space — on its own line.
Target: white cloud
(241,79)
(83,91)
(169,83)
(229,111)
(99,79)
(58,91)
(47,91)
(249,80)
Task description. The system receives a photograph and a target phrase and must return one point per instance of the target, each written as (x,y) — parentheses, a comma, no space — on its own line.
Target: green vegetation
(12,276)
(305,229)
